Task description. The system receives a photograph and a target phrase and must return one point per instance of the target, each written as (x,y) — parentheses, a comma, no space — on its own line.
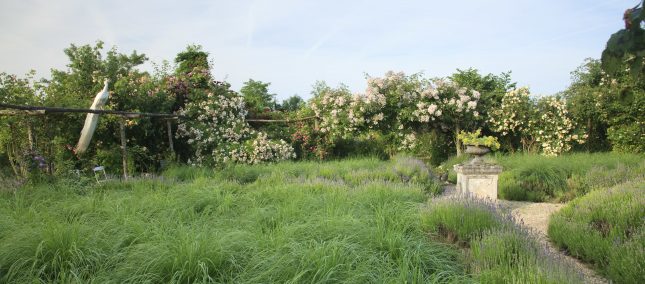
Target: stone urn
(477,151)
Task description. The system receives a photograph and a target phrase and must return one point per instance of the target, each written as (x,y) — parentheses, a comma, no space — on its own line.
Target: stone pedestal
(479,180)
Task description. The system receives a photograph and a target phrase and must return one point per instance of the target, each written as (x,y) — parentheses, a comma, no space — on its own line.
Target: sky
(293,44)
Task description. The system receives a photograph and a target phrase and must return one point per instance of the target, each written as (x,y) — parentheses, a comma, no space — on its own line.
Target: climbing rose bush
(545,124)
(514,114)
(254,151)
(556,131)
(459,106)
(332,106)
(343,114)
(219,132)
(398,106)
(515,117)
(409,142)
(414,103)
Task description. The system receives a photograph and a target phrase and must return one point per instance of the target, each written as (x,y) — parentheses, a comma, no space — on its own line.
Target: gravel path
(536,217)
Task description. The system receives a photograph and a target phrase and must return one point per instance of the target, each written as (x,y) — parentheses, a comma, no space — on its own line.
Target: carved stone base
(479,180)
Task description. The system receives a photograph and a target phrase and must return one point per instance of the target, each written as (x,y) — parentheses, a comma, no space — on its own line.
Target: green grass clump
(497,249)
(414,170)
(607,229)
(183,173)
(353,221)
(461,220)
(539,178)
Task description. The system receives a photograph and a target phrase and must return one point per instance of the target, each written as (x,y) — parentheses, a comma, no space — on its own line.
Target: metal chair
(98,169)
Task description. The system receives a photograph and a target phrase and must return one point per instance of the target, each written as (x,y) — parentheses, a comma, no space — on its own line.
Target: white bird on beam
(92,119)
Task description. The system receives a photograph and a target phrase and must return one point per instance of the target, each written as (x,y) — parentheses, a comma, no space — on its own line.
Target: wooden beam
(40,110)
(51,110)
(21,112)
(280,120)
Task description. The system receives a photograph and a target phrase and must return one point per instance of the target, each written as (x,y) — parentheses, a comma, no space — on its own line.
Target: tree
(17,134)
(87,67)
(611,104)
(627,46)
(292,104)
(130,90)
(256,96)
(191,58)
(583,96)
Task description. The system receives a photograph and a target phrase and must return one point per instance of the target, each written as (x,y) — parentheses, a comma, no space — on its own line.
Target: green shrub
(604,176)
(512,189)
(606,228)
(410,169)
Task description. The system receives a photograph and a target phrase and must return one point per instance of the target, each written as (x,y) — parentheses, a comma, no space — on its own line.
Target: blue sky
(291,44)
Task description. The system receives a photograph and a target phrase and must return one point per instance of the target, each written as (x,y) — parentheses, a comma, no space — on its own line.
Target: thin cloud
(321,41)
(291,44)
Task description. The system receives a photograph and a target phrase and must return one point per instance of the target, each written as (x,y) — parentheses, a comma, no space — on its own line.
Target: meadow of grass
(351,221)
(531,177)
(607,229)
(497,249)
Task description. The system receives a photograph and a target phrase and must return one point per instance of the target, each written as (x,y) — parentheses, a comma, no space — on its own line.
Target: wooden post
(30,136)
(14,167)
(172,147)
(457,142)
(124,152)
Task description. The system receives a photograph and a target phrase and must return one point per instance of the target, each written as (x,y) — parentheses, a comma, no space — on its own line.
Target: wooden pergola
(11,109)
